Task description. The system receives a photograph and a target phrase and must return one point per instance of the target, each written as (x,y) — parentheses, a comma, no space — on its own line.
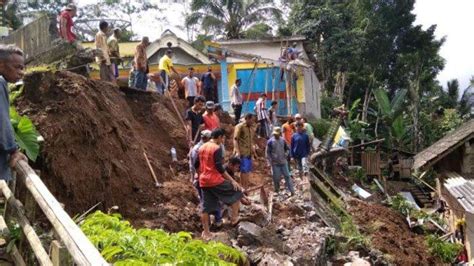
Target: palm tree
(232,17)
(453,92)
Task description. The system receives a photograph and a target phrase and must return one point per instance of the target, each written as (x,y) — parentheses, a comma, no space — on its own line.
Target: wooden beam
(15,253)
(19,212)
(78,245)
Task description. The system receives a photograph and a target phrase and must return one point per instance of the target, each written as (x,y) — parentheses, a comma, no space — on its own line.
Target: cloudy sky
(453,18)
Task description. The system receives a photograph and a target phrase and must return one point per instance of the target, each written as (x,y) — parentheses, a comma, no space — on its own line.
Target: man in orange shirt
(211,120)
(216,184)
(288,130)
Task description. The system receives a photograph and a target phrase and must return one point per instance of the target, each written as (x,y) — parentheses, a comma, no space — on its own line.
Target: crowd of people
(216,181)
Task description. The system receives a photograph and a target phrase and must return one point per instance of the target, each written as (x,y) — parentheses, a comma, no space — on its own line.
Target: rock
(273,258)
(222,237)
(249,233)
(312,216)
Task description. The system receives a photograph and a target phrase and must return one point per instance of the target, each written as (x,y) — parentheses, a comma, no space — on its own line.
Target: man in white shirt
(191,86)
(262,116)
(236,100)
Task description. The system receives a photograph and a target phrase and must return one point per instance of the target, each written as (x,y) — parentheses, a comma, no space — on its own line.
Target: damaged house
(452,158)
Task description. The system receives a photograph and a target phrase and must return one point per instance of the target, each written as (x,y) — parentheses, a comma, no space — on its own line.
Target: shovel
(263,193)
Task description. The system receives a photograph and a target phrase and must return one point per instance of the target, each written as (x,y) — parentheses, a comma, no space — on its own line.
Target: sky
(453,18)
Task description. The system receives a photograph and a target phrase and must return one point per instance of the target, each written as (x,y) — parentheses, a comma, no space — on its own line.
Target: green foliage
(232,18)
(446,251)
(356,126)
(328,103)
(355,239)
(121,244)
(25,134)
(321,127)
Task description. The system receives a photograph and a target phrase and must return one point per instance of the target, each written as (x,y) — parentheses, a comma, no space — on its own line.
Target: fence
(35,37)
(79,248)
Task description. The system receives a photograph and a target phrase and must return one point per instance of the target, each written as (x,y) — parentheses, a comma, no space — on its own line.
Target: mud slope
(95,136)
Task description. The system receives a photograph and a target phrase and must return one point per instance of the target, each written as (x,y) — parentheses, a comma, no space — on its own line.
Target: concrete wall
(35,37)
(468,159)
(180,57)
(270,50)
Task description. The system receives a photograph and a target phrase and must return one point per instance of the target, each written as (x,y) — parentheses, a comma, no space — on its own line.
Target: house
(452,158)
(306,95)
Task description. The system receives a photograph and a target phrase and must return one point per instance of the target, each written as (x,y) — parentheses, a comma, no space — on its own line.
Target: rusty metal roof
(444,146)
(462,190)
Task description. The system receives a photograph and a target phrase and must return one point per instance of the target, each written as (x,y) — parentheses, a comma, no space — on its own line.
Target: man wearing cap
(244,147)
(236,100)
(262,116)
(211,120)
(276,153)
(193,157)
(140,65)
(300,148)
(66,23)
(114,51)
(165,67)
(191,86)
(208,80)
(217,185)
(106,72)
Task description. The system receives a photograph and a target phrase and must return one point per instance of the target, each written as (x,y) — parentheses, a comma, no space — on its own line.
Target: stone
(312,216)
(273,258)
(249,233)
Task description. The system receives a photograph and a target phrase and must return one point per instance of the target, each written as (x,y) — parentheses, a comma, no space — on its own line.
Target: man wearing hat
(165,67)
(236,100)
(66,23)
(211,120)
(193,157)
(140,65)
(276,153)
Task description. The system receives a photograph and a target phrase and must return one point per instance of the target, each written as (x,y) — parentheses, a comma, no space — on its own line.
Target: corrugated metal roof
(438,149)
(461,189)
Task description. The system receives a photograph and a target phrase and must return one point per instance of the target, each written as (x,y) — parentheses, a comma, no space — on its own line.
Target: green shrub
(446,251)
(321,127)
(121,244)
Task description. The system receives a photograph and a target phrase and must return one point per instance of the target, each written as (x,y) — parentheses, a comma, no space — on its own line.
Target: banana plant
(25,134)
(391,113)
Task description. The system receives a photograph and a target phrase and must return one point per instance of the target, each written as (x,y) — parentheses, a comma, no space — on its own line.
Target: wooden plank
(78,245)
(59,254)
(19,212)
(14,253)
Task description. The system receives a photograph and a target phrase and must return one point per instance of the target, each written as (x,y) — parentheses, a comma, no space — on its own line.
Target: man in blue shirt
(12,65)
(276,152)
(207,80)
(300,148)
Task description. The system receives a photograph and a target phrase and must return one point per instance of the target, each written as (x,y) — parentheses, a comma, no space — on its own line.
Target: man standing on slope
(106,73)
(191,86)
(300,149)
(236,100)
(66,23)
(262,116)
(216,184)
(211,120)
(208,80)
(276,155)
(12,65)
(165,67)
(244,147)
(140,65)
(114,51)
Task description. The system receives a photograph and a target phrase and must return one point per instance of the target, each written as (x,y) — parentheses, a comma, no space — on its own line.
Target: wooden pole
(178,113)
(157,184)
(78,245)
(19,212)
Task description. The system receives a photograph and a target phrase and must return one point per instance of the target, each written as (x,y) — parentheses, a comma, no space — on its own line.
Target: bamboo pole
(19,212)
(78,245)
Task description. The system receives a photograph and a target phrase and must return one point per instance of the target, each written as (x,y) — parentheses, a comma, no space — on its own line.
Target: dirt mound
(390,234)
(95,136)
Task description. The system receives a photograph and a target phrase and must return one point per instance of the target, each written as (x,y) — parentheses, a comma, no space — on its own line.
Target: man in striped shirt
(262,116)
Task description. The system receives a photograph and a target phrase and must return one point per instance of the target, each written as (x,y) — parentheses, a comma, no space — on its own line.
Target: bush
(121,244)
(321,127)
(446,251)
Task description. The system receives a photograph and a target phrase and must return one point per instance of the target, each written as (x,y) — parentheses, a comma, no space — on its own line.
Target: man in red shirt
(211,120)
(216,184)
(66,23)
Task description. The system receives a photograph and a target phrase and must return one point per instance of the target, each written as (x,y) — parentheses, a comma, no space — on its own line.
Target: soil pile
(390,234)
(95,136)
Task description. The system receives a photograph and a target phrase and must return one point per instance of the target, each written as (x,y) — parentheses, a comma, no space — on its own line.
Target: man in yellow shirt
(165,68)
(106,73)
